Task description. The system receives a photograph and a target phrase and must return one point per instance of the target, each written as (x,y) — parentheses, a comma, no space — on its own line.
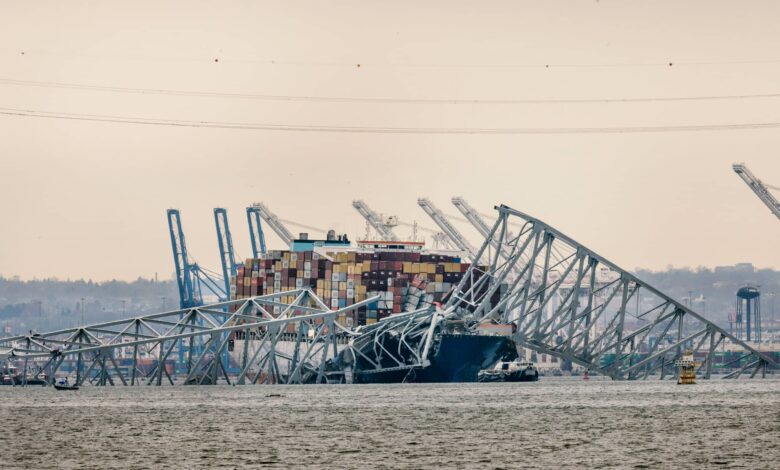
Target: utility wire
(337,99)
(386,130)
(358,64)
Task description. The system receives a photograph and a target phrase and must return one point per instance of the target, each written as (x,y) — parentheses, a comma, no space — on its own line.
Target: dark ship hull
(456,358)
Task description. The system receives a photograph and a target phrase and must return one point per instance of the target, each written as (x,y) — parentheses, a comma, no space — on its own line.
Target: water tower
(749,312)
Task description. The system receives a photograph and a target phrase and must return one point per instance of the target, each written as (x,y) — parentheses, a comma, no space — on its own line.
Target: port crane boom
(256,235)
(227,256)
(475,219)
(471,215)
(760,189)
(376,221)
(446,227)
(274,222)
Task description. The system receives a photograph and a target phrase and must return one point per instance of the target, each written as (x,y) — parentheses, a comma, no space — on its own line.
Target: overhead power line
(385,130)
(376,100)
(359,64)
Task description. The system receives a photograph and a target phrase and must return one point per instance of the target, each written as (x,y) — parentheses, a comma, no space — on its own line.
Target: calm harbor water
(554,423)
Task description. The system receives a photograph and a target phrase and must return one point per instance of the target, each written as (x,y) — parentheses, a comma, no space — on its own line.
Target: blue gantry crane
(190,277)
(227,256)
(256,236)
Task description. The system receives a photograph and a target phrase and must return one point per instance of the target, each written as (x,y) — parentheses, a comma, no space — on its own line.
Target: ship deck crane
(227,256)
(383,226)
(759,188)
(446,227)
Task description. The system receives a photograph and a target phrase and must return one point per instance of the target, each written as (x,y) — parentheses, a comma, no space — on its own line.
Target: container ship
(404,275)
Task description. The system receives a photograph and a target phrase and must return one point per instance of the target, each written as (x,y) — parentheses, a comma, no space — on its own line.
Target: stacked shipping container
(404,281)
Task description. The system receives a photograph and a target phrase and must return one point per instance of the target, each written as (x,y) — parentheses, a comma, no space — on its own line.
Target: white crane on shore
(383,225)
(759,188)
(439,218)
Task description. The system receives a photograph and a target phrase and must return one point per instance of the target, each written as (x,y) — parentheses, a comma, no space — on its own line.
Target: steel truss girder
(568,301)
(400,342)
(205,332)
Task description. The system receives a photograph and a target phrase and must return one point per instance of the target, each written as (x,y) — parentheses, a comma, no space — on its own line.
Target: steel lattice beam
(205,332)
(570,302)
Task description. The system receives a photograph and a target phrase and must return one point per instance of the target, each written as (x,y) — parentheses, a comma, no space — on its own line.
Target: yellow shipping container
(415,268)
(343,285)
(370,321)
(440,278)
(407,267)
(366,266)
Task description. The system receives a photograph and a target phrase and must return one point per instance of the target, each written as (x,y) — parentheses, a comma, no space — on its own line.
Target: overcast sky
(88,199)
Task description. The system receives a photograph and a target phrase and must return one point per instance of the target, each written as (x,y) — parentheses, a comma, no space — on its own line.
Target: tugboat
(510,371)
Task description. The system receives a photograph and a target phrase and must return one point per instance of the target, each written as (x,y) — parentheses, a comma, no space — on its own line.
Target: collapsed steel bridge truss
(567,301)
(201,336)
(564,300)
(402,342)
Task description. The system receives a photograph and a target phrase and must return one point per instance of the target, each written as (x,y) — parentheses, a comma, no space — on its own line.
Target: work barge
(551,294)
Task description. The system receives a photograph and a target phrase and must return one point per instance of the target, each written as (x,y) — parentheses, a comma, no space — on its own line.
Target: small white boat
(510,371)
